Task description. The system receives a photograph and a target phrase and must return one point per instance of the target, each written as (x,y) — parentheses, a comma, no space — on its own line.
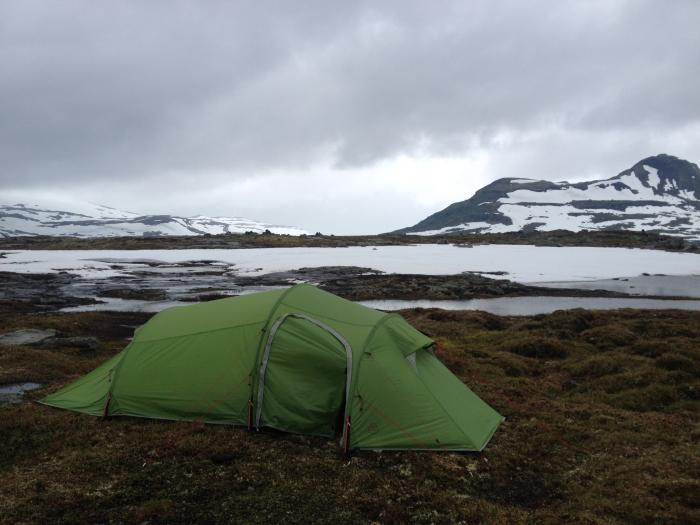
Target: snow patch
(670,211)
(653,173)
(94,220)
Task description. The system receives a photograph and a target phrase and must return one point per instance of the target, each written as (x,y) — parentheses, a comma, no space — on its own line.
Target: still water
(536,305)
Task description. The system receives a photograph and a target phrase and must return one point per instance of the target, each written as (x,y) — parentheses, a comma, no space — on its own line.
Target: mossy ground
(627,239)
(603,426)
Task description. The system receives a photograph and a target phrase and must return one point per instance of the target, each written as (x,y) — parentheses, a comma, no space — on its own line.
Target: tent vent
(411,358)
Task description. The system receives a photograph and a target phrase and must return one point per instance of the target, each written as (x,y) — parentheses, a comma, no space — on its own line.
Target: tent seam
(255,372)
(361,356)
(199,333)
(113,380)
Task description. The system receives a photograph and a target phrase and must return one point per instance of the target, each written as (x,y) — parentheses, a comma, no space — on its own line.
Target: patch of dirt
(144,294)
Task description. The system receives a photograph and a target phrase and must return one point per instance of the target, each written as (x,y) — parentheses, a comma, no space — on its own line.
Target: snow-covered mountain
(92,220)
(658,194)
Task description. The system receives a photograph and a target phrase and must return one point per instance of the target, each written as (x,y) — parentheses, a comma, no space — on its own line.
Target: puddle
(499,306)
(25,337)
(113,304)
(13,393)
(658,285)
(110,304)
(536,305)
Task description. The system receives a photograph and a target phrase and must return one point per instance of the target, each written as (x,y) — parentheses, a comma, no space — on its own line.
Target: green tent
(298,359)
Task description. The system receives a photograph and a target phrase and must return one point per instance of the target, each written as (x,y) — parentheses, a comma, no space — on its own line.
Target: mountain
(658,194)
(92,220)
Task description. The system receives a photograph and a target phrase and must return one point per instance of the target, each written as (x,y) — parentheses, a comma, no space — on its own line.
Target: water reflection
(535,305)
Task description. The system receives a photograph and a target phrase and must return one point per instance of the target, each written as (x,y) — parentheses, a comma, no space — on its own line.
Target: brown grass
(603,426)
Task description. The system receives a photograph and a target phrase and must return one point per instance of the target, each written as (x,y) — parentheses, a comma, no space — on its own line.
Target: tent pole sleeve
(255,383)
(115,372)
(353,388)
(263,368)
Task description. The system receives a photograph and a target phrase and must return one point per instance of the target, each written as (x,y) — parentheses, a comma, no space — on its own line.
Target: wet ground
(13,393)
(150,285)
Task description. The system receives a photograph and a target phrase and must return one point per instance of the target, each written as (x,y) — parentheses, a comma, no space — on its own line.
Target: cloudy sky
(344,117)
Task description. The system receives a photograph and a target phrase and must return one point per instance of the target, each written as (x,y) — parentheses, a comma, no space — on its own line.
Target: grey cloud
(147,90)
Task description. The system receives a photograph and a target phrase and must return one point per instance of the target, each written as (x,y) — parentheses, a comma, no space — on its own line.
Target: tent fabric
(298,359)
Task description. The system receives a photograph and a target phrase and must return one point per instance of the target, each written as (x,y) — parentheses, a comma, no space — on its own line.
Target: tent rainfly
(299,360)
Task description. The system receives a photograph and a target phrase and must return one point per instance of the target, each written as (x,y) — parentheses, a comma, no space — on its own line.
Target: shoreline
(556,238)
(50,292)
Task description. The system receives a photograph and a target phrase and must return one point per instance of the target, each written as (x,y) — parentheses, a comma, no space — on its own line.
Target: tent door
(304,377)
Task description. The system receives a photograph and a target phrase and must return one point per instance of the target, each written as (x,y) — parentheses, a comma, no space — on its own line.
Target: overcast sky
(344,117)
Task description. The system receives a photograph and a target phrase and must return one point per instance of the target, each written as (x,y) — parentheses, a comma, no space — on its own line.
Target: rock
(314,275)
(45,291)
(144,294)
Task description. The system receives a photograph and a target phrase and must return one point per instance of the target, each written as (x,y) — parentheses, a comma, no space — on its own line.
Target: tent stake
(346,441)
(105,412)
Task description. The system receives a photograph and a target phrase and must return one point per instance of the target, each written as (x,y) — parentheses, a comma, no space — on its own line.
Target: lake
(536,305)
(633,271)
(521,263)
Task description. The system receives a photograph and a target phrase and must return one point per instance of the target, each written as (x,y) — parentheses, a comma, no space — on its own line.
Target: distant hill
(658,194)
(92,220)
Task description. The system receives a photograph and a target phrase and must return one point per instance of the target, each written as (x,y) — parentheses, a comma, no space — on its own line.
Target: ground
(627,239)
(603,426)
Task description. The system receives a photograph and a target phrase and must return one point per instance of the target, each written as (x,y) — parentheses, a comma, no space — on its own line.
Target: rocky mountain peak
(680,174)
(660,193)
